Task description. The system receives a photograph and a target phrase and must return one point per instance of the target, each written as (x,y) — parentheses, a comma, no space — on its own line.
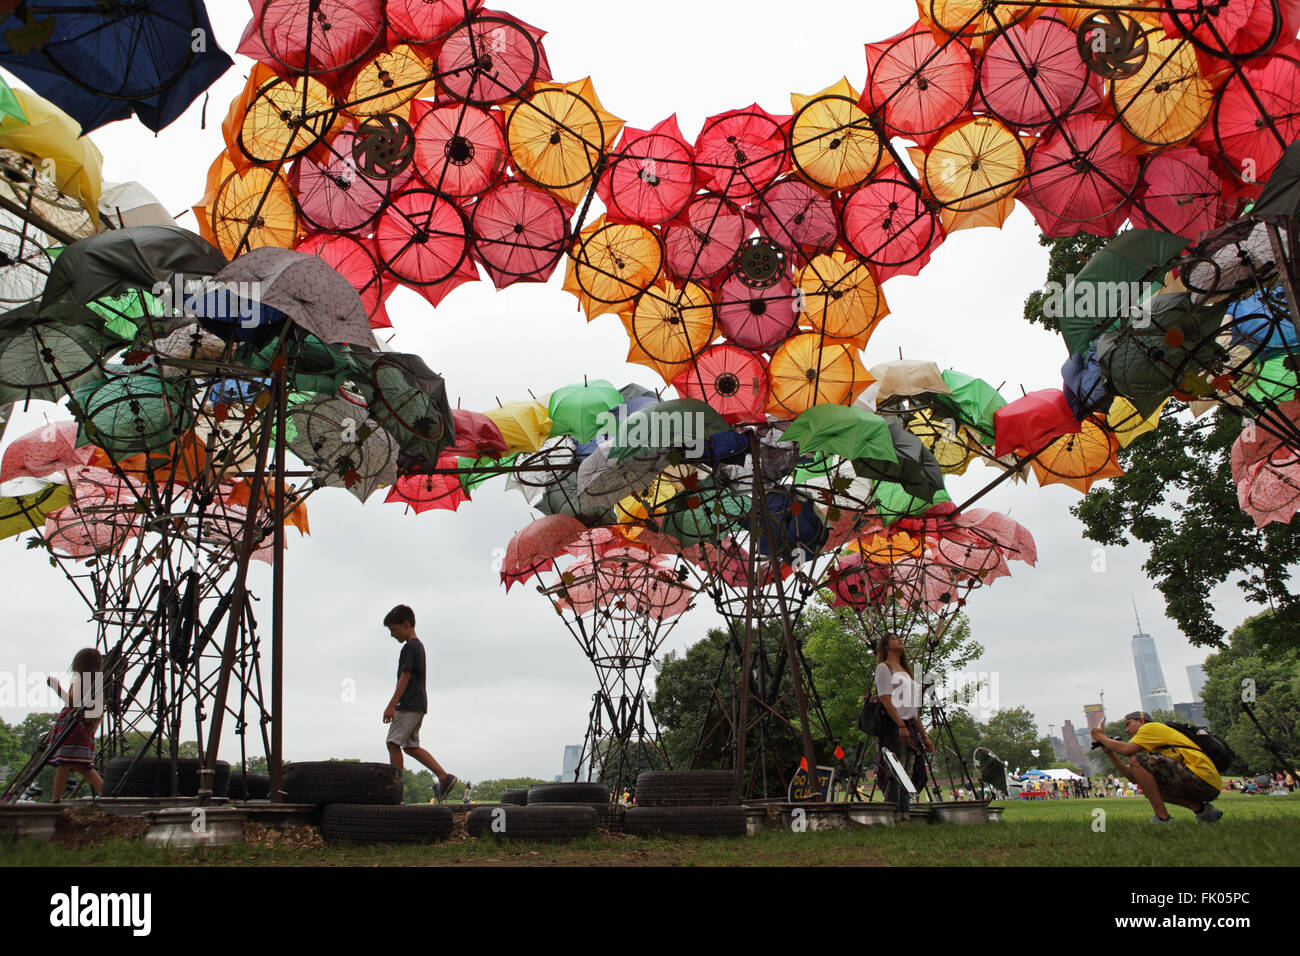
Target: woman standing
(898,691)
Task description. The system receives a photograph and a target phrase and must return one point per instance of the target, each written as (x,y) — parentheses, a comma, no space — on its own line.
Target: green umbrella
(133,413)
(1101,292)
(914,468)
(1276,382)
(708,513)
(27,512)
(972,402)
(471,481)
(893,503)
(9,105)
(848,431)
(1281,194)
(580,410)
(665,426)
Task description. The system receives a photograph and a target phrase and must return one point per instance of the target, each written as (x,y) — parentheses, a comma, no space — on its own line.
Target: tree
(1012,734)
(1177,496)
(1253,664)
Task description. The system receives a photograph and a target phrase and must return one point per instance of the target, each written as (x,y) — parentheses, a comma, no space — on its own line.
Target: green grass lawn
(1255,831)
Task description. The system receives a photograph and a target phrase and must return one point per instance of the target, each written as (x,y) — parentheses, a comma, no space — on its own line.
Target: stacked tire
(702,803)
(595,795)
(543,822)
(152,777)
(362,803)
(330,781)
(515,798)
(249,786)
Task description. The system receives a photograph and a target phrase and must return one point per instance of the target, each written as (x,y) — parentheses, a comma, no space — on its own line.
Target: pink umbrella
(1080,178)
(422,21)
(917,84)
(1032,76)
(520,233)
(351,259)
(651,177)
(731,380)
(708,239)
(796,216)
(1181,193)
(1257,443)
(535,547)
(422,238)
(1032,422)
(738,153)
(48,450)
(460,151)
(887,224)
(1270,490)
(1241,30)
(1013,538)
(332,193)
(340,33)
(756,319)
(1256,116)
(492,58)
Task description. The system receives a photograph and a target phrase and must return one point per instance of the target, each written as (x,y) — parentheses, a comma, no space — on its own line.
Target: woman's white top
(899,688)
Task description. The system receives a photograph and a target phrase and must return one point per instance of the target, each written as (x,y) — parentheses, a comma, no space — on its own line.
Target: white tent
(1060,774)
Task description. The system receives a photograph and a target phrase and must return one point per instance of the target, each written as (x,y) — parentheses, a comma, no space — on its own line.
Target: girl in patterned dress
(84,707)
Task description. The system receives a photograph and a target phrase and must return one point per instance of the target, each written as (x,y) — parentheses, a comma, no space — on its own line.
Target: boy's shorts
(405,728)
(1176,780)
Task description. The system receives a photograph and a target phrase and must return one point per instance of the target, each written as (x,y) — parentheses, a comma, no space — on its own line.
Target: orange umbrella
(1081,459)
(832,141)
(807,370)
(387,83)
(841,298)
(610,264)
(669,326)
(557,134)
(1168,99)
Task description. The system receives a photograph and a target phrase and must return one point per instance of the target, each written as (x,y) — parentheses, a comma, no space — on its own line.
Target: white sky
(508,687)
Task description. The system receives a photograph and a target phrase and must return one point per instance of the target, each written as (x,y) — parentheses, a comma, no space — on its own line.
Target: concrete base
(277,814)
(994,814)
(29,821)
(959,811)
(196,826)
(138,806)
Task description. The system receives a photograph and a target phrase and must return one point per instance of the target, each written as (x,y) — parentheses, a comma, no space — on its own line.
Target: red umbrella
(887,224)
(730,380)
(738,153)
(429,492)
(477,436)
(1181,193)
(1258,114)
(1029,424)
(1013,538)
(535,547)
(340,33)
(48,450)
(493,57)
(1034,75)
(520,233)
(918,85)
(422,21)
(757,319)
(797,216)
(707,241)
(1239,30)
(460,151)
(651,177)
(1080,178)
(351,259)
(422,238)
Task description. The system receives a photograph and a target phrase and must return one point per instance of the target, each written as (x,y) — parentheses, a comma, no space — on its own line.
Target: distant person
(466,798)
(1167,766)
(405,711)
(82,711)
(898,692)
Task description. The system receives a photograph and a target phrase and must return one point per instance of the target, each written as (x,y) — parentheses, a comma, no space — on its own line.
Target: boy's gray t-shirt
(412,659)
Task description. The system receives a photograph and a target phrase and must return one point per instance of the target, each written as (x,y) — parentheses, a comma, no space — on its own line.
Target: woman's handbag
(873,719)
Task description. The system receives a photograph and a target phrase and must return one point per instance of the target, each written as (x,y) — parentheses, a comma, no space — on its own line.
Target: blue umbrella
(1262,323)
(1086,389)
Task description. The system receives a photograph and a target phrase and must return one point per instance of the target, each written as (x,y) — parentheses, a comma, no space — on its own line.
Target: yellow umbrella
(1127,422)
(841,297)
(246,209)
(949,444)
(669,326)
(282,119)
(1079,460)
(807,370)
(831,140)
(557,134)
(973,164)
(27,512)
(390,81)
(1168,100)
(638,509)
(52,140)
(888,549)
(977,20)
(524,425)
(611,264)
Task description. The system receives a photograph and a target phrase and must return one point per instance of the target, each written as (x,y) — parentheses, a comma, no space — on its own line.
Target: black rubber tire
(368,823)
(259,785)
(687,788)
(572,794)
(686,821)
(517,798)
(608,816)
(533,823)
(325,782)
(153,777)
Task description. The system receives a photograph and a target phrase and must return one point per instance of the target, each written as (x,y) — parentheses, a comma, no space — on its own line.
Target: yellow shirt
(1163,739)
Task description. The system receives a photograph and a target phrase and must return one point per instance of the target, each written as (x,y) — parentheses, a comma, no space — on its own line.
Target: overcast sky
(508,686)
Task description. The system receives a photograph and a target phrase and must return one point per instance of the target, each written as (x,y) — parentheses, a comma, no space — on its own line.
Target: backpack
(1212,746)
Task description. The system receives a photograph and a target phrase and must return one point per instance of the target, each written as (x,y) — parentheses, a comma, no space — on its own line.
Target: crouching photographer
(1168,766)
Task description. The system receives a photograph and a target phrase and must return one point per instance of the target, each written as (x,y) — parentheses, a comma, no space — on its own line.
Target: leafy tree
(12,754)
(421,787)
(1177,496)
(1012,734)
(489,791)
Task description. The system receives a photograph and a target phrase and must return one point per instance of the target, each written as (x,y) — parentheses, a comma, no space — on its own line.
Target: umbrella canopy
(603,481)
(48,450)
(908,377)
(1081,459)
(913,468)
(846,431)
(534,548)
(523,425)
(580,410)
(1031,422)
(28,511)
(343,446)
(731,380)
(972,402)
(677,424)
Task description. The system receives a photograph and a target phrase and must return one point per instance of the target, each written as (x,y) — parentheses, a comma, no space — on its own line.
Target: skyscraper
(1150,678)
(1195,679)
(1073,752)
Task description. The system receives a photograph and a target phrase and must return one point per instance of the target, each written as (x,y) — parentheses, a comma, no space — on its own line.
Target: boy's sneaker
(1156,819)
(1209,814)
(448,782)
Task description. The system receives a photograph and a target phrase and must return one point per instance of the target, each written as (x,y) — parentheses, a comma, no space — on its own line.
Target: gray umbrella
(604,482)
(343,446)
(306,289)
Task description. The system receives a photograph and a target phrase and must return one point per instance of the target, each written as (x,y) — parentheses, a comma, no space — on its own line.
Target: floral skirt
(78,748)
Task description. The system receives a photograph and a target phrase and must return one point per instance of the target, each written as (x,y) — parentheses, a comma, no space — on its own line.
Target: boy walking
(405,711)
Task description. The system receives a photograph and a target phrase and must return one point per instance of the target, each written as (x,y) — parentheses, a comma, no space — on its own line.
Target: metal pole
(277,591)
